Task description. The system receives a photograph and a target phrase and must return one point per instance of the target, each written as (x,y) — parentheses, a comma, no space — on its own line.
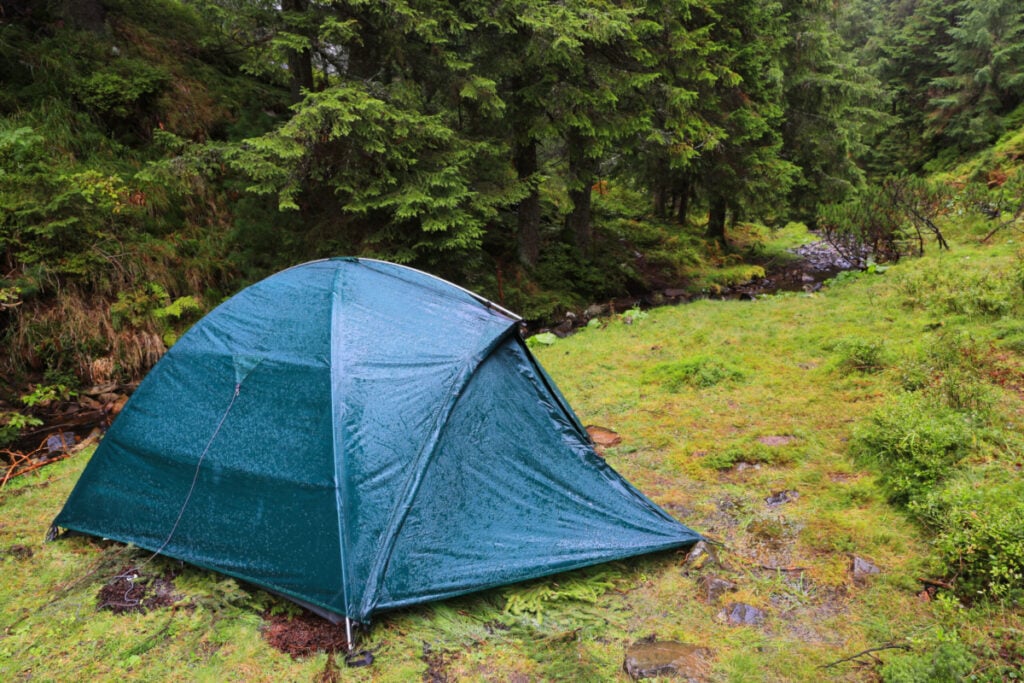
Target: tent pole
(348,634)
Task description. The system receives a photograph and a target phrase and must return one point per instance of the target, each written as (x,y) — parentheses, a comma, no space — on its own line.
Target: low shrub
(951,368)
(860,355)
(697,371)
(949,291)
(940,658)
(982,533)
(915,440)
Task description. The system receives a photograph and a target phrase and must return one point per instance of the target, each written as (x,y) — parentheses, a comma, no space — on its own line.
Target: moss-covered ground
(720,405)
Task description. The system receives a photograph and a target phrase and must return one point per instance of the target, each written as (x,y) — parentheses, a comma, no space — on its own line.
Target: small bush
(915,441)
(951,369)
(941,659)
(982,535)
(860,355)
(948,291)
(697,371)
(754,453)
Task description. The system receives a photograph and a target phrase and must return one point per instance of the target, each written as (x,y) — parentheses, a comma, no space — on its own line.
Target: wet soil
(304,634)
(133,592)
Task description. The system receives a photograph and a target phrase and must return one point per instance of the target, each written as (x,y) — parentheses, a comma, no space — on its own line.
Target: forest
(157,156)
(579,163)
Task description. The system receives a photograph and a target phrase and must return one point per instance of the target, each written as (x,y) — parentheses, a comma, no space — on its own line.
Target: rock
(781,498)
(668,658)
(713,587)
(861,570)
(742,614)
(563,329)
(674,293)
(700,557)
(602,436)
(60,442)
(594,310)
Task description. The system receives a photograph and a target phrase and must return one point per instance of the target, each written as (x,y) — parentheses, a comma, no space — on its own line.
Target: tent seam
(337,450)
(400,512)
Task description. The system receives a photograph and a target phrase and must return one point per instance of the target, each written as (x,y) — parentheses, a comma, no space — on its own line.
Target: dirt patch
(131,591)
(304,634)
(18,552)
(436,667)
(776,440)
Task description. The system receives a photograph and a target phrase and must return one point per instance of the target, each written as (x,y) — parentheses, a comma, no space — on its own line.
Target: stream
(815,263)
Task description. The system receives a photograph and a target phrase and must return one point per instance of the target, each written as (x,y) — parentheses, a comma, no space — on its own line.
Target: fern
(536,598)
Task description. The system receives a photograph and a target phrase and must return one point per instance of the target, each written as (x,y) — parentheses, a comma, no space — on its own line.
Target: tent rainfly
(359,436)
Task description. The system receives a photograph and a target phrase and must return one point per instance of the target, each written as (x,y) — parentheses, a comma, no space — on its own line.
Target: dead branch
(12,472)
(1013,219)
(781,569)
(869,651)
(936,582)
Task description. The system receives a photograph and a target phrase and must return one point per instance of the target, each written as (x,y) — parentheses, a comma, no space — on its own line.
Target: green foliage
(700,371)
(542,339)
(13,423)
(47,393)
(751,453)
(981,538)
(536,598)
(860,355)
(945,289)
(951,368)
(885,221)
(915,441)
(941,657)
(151,305)
(120,89)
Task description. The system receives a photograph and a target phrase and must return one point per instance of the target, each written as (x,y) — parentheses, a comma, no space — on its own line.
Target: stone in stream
(688,662)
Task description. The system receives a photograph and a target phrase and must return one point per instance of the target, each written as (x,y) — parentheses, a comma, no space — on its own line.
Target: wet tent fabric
(360,436)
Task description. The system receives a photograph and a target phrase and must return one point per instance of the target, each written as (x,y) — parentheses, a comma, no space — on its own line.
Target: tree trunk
(528,238)
(682,199)
(581,183)
(300,62)
(662,190)
(716,219)
(579,220)
(661,199)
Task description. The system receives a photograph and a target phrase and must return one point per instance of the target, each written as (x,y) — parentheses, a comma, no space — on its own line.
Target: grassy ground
(720,405)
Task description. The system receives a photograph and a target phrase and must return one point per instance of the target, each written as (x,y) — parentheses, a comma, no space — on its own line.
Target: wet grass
(796,384)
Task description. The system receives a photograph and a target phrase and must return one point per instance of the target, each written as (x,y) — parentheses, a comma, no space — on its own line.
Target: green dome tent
(359,436)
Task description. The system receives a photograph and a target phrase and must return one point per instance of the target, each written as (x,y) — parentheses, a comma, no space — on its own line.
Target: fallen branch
(11,473)
(936,582)
(781,569)
(890,646)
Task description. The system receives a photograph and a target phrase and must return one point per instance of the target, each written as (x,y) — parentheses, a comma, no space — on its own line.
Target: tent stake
(348,635)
